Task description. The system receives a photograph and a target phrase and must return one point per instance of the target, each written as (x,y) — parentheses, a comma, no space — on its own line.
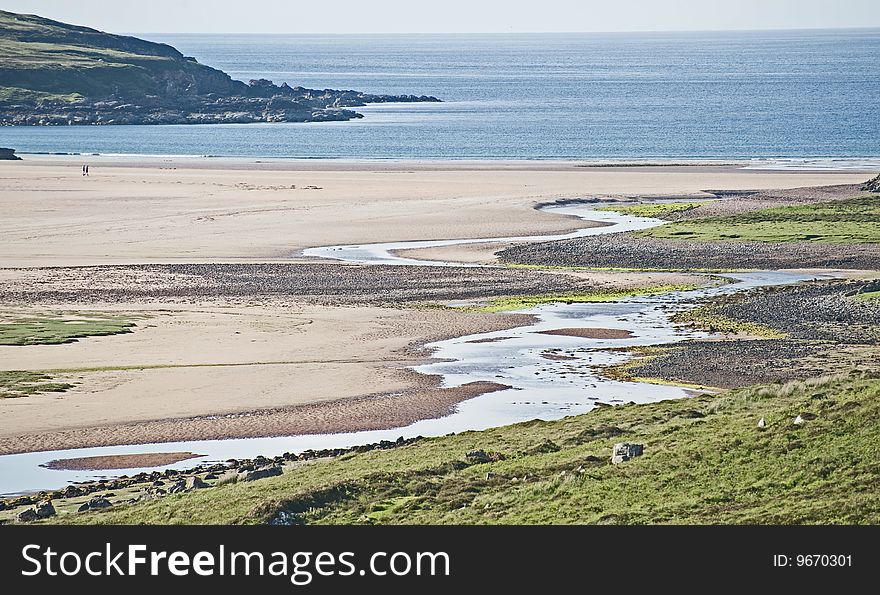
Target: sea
(807,98)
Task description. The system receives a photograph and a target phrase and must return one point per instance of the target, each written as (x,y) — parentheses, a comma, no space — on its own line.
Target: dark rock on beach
(872,185)
(8,155)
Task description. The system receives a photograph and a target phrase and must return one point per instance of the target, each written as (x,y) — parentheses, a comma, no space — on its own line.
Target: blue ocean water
(537,96)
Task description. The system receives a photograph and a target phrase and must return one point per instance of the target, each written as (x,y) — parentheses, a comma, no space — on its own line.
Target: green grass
(15,384)
(705,461)
(42,60)
(56,329)
(17,95)
(869,295)
(655,209)
(507,304)
(855,220)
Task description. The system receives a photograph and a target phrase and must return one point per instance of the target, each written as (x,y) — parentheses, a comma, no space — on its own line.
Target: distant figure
(87,169)
(84,169)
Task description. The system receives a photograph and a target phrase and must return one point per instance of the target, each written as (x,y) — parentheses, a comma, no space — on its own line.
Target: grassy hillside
(44,60)
(855,220)
(705,461)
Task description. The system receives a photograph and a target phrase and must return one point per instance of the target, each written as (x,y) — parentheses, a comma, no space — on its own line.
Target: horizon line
(743,30)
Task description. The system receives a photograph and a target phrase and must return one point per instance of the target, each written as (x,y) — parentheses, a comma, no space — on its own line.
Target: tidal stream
(550,376)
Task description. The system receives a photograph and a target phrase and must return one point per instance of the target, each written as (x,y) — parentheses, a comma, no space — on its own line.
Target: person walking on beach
(84,169)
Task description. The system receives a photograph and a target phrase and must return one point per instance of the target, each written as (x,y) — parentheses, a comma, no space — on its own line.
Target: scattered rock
(195,483)
(178,487)
(261,473)
(27,515)
(624,451)
(8,155)
(96,503)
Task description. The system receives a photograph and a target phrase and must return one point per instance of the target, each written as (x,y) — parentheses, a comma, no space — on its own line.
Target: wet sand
(134,461)
(590,333)
(354,414)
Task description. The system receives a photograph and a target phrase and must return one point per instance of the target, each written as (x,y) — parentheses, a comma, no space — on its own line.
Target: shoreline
(387,411)
(780,165)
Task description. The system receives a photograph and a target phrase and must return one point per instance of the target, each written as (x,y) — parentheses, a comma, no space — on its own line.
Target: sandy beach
(250,351)
(130,211)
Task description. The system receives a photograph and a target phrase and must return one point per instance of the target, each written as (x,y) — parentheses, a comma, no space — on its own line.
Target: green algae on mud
(15,384)
(55,329)
(654,209)
(507,304)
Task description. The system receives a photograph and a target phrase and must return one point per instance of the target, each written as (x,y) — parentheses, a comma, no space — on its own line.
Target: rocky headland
(52,73)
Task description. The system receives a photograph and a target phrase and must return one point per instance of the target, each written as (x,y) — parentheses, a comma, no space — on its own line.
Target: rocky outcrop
(8,155)
(43,510)
(872,185)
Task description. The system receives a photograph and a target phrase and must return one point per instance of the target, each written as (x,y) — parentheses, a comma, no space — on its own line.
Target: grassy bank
(855,220)
(705,461)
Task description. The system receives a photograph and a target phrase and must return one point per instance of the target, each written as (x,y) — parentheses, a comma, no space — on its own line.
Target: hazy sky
(446,16)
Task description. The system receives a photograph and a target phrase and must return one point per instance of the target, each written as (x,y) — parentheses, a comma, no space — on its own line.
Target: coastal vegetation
(855,220)
(706,461)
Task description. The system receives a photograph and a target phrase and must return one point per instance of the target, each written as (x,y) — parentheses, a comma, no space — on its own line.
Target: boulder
(195,483)
(261,473)
(477,456)
(45,509)
(872,185)
(96,503)
(42,510)
(8,155)
(179,486)
(624,451)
